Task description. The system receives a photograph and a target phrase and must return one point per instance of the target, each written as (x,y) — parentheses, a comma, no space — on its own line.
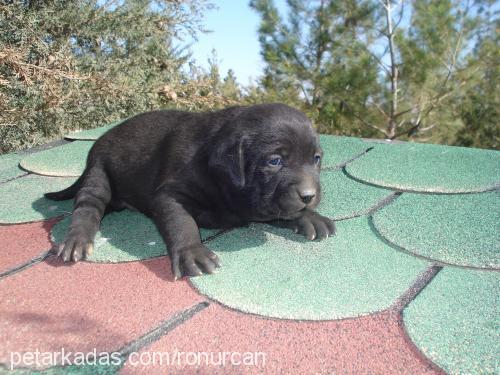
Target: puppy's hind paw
(74,248)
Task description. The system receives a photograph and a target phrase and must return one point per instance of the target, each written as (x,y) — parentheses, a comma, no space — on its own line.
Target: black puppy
(215,170)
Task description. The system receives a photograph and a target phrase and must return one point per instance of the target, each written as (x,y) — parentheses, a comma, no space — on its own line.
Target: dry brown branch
(28,73)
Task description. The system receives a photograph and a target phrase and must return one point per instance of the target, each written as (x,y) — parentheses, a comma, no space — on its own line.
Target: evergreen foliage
(386,68)
(78,64)
(422,70)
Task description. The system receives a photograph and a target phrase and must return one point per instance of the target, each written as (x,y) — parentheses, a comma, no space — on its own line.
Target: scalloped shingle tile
(428,168)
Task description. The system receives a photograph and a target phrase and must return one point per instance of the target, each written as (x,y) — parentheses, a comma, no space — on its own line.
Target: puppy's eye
(317,159)
(275,162)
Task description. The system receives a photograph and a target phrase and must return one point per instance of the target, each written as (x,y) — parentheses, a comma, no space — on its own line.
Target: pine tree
(388,68)
(314,55)
(230,87)
(479,106)
(77,64)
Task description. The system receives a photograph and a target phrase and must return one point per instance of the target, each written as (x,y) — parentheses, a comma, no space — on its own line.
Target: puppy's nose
(307,196)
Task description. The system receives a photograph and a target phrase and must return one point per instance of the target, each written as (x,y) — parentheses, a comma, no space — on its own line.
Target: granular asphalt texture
(87,369)
(87,306)
(428,168)
(343,198)
(123,237)
(9,167)
(454,229)
(455,321)
(273,272)
(339,150)
(21,243)
(63,161)
(409,284)
(92,134)
(22,200)
(372,344)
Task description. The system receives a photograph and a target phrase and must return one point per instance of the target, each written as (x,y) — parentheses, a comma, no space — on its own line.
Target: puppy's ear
(228,160)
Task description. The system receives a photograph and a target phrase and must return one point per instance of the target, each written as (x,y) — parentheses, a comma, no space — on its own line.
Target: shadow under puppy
(187,170)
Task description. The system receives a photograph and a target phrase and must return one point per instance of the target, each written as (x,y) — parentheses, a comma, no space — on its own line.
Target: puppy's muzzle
(307,196)
(307,189)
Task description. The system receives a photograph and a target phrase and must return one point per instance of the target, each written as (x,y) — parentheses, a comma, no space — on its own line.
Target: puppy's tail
(67,193)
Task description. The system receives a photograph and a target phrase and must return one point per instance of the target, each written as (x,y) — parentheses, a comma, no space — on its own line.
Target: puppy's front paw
(313,226)
(193,261)
(76,246)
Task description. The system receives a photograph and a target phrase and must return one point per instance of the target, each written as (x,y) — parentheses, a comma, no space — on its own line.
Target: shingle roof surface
(410,282)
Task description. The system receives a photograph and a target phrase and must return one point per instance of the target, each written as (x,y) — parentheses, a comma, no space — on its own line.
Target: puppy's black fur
(215,169)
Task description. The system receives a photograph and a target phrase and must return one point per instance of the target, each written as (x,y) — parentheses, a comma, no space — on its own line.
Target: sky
(234,37)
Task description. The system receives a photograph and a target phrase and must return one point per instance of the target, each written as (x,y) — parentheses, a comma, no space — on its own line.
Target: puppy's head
(271,158)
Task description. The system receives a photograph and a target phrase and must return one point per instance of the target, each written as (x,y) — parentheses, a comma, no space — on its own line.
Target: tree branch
(379,61)
(379,108)
(400,15)
(415,129)
(396,115)
(394,70)
(427,128)
(360,118)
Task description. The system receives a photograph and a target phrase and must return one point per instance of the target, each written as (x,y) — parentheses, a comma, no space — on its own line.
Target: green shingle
(63,161)
(123,237)
(87,369)
(92,134)
(456,229)
(21,200)
(342,197)
(339,150)
(273,272)
(455,321)
(428,168)
(9,167)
